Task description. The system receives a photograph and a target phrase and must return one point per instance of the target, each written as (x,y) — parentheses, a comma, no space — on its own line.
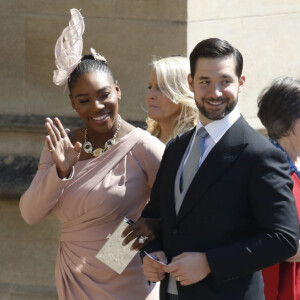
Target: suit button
(174,231)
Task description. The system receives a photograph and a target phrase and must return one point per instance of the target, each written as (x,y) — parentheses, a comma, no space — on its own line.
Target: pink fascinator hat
(68,48)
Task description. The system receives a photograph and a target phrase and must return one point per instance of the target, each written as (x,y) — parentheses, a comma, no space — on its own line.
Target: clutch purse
(113,253)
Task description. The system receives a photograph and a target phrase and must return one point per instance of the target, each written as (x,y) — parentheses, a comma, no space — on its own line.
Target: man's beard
(213,116)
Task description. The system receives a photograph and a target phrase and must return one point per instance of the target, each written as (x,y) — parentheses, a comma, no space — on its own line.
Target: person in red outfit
(279,112)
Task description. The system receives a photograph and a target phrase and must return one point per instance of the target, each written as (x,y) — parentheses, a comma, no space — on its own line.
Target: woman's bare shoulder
(126,128)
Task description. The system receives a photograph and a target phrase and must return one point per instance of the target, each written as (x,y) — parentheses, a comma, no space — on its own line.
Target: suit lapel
(224,153)
(172,167)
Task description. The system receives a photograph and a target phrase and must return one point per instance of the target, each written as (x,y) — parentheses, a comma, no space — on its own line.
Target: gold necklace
(88,147)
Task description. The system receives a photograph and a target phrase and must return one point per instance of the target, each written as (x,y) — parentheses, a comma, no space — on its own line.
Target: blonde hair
(172,73)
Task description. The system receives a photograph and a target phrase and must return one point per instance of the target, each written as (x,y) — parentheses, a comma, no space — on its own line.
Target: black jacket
(239,210)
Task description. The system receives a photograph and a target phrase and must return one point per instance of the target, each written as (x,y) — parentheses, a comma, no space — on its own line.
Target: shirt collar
(217,129)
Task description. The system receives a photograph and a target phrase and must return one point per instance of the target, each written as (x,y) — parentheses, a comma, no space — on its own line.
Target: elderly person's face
(279,108)
(160,107)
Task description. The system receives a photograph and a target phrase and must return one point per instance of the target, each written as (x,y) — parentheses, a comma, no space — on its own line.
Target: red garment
(282,281)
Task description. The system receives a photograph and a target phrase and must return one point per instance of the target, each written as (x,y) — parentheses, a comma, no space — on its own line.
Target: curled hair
(172,78)
(216,48)
(88,64)
(279,106)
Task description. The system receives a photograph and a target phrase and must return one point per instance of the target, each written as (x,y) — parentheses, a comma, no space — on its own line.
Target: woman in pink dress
(279,111)
(92,177)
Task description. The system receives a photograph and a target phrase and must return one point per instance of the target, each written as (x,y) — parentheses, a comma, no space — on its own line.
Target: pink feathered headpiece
(68,48)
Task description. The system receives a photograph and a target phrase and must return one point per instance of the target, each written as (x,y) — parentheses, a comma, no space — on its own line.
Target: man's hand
(188,267)
(153,270)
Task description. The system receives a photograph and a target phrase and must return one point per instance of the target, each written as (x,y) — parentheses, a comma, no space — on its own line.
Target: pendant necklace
(88,147)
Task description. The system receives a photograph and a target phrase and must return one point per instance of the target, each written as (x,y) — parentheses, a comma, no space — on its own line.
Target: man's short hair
(216,48)
(279,106)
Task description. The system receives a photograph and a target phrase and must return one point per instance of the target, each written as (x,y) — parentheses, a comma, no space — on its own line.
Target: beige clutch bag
(113,253)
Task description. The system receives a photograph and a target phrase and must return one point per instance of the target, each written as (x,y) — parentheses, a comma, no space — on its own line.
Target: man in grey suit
(222,194)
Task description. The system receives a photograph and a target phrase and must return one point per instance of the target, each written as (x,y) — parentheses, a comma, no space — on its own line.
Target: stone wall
(27,255)
(129,33)
(265,31)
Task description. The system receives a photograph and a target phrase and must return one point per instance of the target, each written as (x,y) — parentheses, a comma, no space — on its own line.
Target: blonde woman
(171,106)
(171,111)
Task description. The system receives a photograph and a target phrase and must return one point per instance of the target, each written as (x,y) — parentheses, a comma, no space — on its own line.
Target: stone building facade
(129,33)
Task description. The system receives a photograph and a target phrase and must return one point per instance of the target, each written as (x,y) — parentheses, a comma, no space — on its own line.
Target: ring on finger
(143,239)
(50,150)
(178,278)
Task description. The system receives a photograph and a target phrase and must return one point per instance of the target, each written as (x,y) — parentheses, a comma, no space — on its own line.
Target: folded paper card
(113,253)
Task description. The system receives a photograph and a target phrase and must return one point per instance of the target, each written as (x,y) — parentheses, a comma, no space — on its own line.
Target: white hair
(172,79)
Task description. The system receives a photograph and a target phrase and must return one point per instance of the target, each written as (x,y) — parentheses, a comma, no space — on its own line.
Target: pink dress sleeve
(44,191)
(149,154)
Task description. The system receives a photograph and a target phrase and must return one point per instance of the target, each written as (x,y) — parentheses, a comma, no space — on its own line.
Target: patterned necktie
(191,165)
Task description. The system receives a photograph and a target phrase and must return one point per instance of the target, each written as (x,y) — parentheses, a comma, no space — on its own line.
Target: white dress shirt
(215,130)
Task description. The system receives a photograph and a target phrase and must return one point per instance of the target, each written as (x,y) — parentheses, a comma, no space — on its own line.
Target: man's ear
(118,90)
(241,82)
(190,80)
